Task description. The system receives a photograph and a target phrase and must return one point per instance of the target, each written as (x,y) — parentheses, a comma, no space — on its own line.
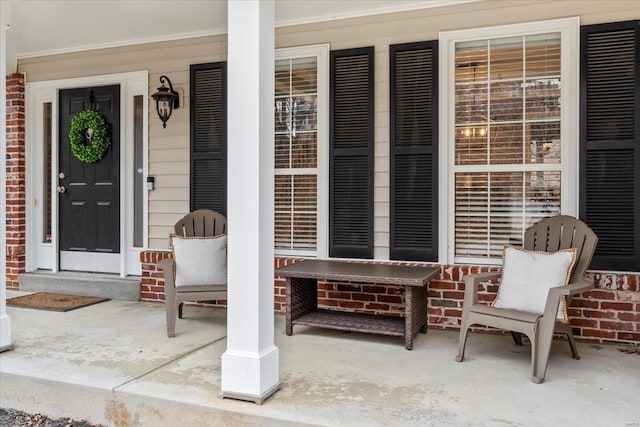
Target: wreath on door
(88,136)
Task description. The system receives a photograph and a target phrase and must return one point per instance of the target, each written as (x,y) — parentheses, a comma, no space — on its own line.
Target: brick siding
(152,280)
(16,219)
(610,313)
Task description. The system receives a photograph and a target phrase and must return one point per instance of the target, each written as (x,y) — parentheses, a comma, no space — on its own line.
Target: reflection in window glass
(296,154)
(138,172)
(46,173)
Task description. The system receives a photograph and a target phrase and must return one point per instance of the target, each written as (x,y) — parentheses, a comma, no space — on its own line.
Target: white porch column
(250,368)
(5,320)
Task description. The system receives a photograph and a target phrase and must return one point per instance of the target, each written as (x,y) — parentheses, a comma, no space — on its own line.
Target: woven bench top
(360,272)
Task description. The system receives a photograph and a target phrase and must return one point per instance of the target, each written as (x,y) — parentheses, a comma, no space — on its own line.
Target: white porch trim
(250,365)
(5,320)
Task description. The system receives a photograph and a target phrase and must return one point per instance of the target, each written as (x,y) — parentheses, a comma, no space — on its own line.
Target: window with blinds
(296,156)
(208,112)
(610,142)
(507,161)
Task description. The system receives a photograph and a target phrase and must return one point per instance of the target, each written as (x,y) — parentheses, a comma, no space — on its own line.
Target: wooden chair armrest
(577,288)
(471,282)
(478,278)
(168,267)
(553,299)
(166,264)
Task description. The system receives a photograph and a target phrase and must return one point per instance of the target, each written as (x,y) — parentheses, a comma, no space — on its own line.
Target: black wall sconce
(166,100)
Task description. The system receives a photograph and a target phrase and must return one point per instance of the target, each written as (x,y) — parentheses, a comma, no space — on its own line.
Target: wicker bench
(302,296)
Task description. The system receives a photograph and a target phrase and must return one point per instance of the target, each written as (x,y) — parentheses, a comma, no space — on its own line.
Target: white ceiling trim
(425,4)
(122,43)
(400,7)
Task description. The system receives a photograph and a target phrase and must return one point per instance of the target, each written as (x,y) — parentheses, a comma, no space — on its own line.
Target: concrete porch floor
(113,364)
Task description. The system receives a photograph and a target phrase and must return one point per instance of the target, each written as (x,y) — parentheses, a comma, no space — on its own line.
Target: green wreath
(88,136)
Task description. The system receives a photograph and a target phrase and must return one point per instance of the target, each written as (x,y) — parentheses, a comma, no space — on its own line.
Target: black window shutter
(209,136)
(351,154)
(414,155)
(610,142)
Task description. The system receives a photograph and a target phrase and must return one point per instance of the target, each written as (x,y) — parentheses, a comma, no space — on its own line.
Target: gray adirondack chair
(549,235)
(199,223)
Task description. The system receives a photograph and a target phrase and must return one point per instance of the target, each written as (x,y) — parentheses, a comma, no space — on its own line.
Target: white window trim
(321,52)
(131,261)
(569,30)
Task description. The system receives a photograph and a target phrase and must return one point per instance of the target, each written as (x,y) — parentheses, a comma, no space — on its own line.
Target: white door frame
(44,255)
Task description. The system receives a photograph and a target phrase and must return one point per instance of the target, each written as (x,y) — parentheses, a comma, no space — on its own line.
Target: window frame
(569,30)
(321,52)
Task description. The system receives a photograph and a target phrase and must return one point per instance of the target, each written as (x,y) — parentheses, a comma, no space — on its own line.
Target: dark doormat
(54,302)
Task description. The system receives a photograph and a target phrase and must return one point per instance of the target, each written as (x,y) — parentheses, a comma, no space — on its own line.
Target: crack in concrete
(167,363)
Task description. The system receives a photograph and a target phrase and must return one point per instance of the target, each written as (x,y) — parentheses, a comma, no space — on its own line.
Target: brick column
(152,280)
(16,219)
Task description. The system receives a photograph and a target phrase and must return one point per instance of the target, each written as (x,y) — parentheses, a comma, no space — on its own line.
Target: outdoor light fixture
(166,100)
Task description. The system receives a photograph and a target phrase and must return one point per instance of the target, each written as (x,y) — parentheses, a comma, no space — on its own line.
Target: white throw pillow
(527,277)
(200,260)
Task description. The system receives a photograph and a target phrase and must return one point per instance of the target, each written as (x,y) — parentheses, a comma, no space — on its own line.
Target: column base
(250,397)
(250,376)
(5,333)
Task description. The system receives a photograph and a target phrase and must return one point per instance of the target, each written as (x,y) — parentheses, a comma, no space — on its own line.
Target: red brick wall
(446,293)
(152,280)
(360,298)
(610,313)
(16,220)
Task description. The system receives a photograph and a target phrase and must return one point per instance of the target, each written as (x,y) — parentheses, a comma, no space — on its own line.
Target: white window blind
(507,147)
(296,156)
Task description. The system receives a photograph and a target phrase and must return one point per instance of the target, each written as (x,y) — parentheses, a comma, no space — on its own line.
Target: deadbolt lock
(61,175)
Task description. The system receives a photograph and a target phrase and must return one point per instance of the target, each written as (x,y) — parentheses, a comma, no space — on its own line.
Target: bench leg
(415,312)
(288,325)
(301,298)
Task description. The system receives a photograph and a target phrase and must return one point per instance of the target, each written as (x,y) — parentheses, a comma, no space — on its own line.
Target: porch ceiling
(41,27)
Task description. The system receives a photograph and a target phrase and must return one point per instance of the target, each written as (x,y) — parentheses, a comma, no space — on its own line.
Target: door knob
(61,189)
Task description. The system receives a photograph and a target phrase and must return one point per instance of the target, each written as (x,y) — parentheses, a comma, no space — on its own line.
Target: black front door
(89,193)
